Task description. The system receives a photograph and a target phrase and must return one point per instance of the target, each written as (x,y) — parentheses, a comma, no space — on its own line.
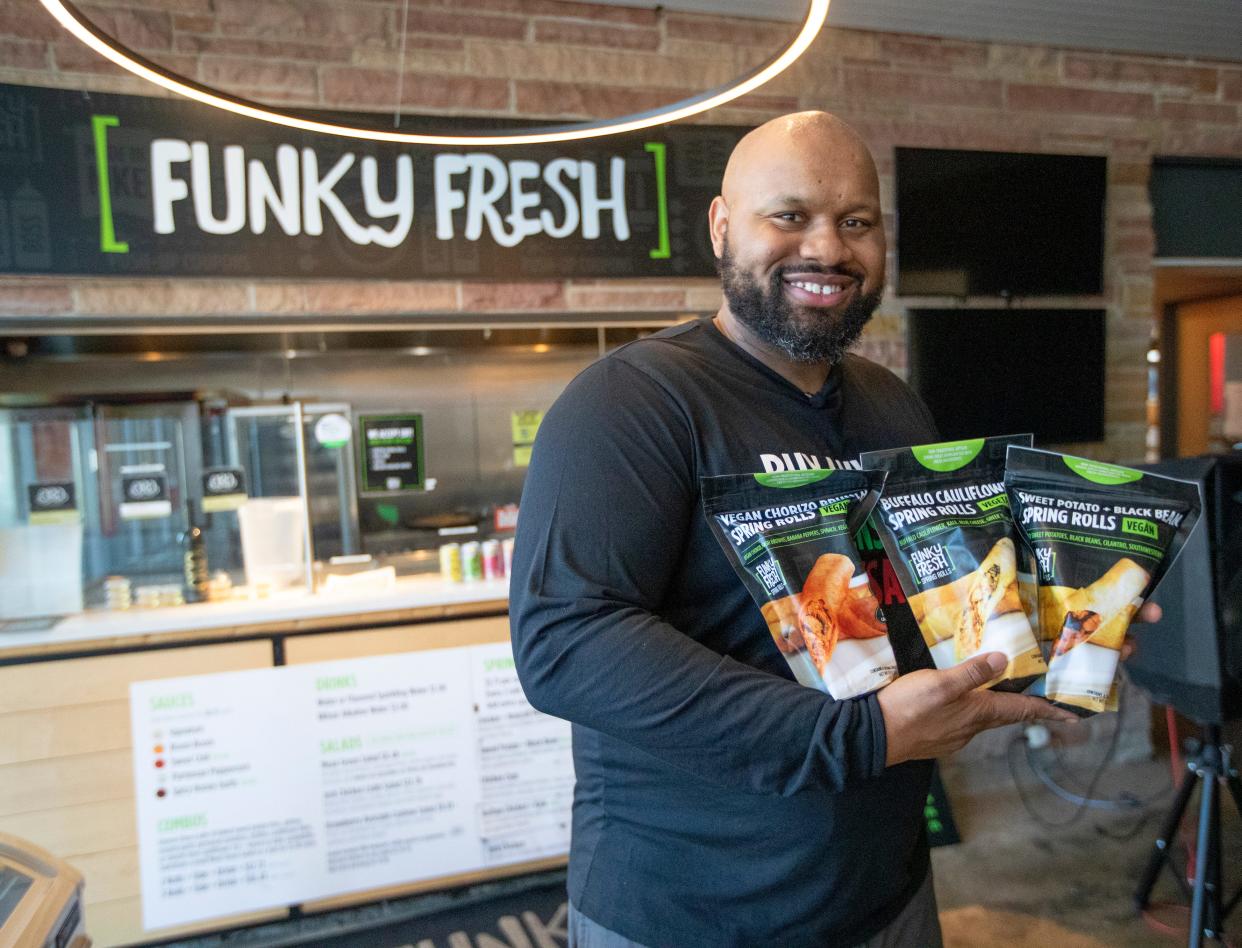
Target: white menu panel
(275,786)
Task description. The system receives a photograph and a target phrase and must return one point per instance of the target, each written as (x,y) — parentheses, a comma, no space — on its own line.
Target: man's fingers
(1011,709)
(974,673)
(1150,612)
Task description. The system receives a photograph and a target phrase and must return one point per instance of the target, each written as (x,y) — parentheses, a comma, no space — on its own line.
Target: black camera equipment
(1192,661)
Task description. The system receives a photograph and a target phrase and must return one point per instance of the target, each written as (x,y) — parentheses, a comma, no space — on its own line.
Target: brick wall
(562,60)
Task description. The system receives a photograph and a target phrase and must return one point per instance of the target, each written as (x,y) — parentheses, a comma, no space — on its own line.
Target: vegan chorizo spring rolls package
(945,521)
(790,537)
(1102,536)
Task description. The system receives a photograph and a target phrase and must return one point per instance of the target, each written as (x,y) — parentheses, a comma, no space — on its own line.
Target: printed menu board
(275,786)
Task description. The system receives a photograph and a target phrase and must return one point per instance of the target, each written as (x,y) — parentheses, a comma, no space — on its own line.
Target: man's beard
(817,336)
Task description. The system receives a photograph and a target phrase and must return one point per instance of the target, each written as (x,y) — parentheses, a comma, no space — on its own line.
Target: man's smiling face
(800,238)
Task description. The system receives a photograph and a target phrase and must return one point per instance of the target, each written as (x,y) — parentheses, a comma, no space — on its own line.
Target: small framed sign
(53,502)
(224,488)
(144,496)
(390,454)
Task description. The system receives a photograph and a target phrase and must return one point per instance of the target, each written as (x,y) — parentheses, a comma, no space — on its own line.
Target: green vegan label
(790,479)
(948,455)
(1140,527)
(1000,500)
(839,509)
(1100,473)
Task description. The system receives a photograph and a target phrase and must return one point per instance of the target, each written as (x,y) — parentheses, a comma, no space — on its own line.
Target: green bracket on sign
(107,230)
(659,151)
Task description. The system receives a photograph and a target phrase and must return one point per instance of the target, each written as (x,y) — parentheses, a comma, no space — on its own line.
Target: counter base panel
(66,761)
(67,785)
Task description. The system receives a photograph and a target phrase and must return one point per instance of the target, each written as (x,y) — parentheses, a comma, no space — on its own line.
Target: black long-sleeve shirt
(718,802)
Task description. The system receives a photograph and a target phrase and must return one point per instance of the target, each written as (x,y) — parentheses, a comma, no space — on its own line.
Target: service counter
(410,599)
(67,774)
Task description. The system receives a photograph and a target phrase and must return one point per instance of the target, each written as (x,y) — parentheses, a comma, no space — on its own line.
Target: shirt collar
(828,396)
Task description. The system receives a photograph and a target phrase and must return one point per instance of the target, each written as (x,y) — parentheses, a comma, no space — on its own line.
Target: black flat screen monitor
(1001,371)
(990,223)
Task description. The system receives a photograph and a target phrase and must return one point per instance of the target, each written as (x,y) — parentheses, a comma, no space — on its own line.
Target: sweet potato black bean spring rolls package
(790,537)
(945,521)
(1102,537)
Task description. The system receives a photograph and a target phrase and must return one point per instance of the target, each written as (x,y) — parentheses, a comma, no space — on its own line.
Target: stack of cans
(465,562)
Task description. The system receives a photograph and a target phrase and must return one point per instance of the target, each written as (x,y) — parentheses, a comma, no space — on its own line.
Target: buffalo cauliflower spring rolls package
(1102,536)
(946,524)
(789,536)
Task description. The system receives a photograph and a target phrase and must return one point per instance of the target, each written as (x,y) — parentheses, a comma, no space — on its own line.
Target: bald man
(719,804)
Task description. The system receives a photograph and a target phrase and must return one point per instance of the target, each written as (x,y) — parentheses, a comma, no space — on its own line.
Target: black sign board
(224,488)
(144,488)
(390,456)
(145,495)
(128,185)
(52,502)
(47,496)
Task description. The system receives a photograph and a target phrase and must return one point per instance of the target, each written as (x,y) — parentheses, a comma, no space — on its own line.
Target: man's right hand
(932,713)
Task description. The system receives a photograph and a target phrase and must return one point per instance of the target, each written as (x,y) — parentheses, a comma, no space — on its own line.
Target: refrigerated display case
(141,459)
(43,491)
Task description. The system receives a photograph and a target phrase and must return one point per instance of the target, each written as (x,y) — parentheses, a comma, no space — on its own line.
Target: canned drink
(471,561)
(506,552)
(450,562)
(493,562)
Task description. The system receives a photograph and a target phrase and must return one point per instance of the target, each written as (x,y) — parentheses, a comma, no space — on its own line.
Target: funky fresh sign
(297,194)
(107,184)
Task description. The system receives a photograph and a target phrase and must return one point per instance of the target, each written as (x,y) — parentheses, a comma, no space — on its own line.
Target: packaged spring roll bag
(944,519)
(1102,537)
(790,537)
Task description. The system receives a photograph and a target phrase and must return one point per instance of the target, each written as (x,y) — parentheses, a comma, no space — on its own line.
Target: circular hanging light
(80,26)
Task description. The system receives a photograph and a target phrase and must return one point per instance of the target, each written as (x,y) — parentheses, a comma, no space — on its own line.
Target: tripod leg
(1235,788)
(1168,834)
(1215,882)
(1198,905)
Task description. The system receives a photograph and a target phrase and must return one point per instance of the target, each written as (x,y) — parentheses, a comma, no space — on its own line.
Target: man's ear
(718,224)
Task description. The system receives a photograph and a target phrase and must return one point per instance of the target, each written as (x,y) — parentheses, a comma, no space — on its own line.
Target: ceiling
(1202,29)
